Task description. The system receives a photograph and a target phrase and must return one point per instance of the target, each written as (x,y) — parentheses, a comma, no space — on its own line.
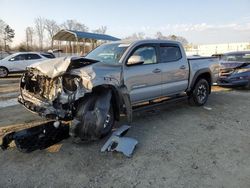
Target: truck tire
(199,94)
(88,130)
(3,72)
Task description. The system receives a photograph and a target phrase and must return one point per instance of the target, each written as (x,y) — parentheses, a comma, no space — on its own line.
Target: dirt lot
(179,146)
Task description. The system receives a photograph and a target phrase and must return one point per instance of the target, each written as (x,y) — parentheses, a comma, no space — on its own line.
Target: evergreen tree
(9,34)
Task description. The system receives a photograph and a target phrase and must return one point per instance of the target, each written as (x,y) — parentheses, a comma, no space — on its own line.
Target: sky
(200,22)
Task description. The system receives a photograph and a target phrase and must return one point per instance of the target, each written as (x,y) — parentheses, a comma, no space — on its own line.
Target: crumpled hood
(78,66)
(56,67)
(232,64)
(52,67)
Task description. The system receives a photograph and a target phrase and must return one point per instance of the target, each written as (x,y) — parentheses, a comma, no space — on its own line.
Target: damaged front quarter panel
(49,89)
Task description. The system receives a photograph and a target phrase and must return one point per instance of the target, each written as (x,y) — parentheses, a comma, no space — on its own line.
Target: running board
(151,105)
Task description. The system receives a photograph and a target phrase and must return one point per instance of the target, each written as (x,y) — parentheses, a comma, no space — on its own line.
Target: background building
(209,49)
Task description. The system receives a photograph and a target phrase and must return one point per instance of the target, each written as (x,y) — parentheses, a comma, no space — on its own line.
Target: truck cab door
(142,73)
(175,69)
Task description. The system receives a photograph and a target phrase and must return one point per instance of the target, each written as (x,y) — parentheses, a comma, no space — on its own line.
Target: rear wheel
(3,72)
(200,93)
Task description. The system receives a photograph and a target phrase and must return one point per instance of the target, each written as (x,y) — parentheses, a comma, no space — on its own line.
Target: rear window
(169,53)
(48,55)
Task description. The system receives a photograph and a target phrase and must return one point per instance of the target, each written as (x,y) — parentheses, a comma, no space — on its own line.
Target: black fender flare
(120,96)
(198,74)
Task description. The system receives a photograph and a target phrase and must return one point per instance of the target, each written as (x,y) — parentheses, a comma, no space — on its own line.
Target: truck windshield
(108,53)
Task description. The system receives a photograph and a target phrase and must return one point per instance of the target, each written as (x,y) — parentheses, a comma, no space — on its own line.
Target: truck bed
(199,63)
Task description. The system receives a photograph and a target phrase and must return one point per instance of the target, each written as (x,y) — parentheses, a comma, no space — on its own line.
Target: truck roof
(128,42)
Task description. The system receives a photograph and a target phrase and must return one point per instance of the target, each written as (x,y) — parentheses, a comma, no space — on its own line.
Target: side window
(170,53)
(18,58)
(32,56)
(146,54)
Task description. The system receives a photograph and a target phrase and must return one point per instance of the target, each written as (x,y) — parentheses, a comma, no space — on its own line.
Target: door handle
(183,67)
(156,70)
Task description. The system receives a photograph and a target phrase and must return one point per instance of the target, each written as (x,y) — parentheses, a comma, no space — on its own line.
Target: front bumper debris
(42,107)
(38,137)
(119,143)
(232,82)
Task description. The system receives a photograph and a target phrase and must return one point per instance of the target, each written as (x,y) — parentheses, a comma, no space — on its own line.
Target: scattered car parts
(38,137)
(117,142)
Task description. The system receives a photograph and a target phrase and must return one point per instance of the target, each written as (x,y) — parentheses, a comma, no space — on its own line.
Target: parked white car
(19,61)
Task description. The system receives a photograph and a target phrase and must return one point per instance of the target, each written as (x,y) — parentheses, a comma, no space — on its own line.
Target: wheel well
(207,77)
(5,68)
(115,100)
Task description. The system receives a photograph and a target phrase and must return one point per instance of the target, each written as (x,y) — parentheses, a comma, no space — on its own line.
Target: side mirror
(135,60)
(12,59)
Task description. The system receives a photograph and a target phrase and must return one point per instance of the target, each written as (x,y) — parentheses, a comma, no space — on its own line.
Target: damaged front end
(234,74)
(84,90)
(50,90)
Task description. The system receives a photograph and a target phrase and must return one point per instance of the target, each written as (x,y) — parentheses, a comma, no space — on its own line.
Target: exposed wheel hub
(106,123)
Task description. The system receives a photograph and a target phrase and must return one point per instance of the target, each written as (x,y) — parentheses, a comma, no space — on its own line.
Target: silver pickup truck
(94,90)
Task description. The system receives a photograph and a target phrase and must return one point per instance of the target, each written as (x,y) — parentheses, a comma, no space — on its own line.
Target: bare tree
(100,30)
(52,28)
(9,34)
(179,39)
(29,37)
(159,35)
(74,25)
(40,28)
(2,27)
(136,36)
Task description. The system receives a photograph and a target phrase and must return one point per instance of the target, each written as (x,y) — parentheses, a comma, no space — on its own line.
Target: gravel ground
(179,146)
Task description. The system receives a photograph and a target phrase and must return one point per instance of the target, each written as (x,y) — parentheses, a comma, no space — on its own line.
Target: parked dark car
(235,69)
(217,55)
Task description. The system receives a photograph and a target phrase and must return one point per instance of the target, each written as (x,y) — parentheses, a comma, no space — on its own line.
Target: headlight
(242,70)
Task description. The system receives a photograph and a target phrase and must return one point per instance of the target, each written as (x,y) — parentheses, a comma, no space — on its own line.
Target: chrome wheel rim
(202,93)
